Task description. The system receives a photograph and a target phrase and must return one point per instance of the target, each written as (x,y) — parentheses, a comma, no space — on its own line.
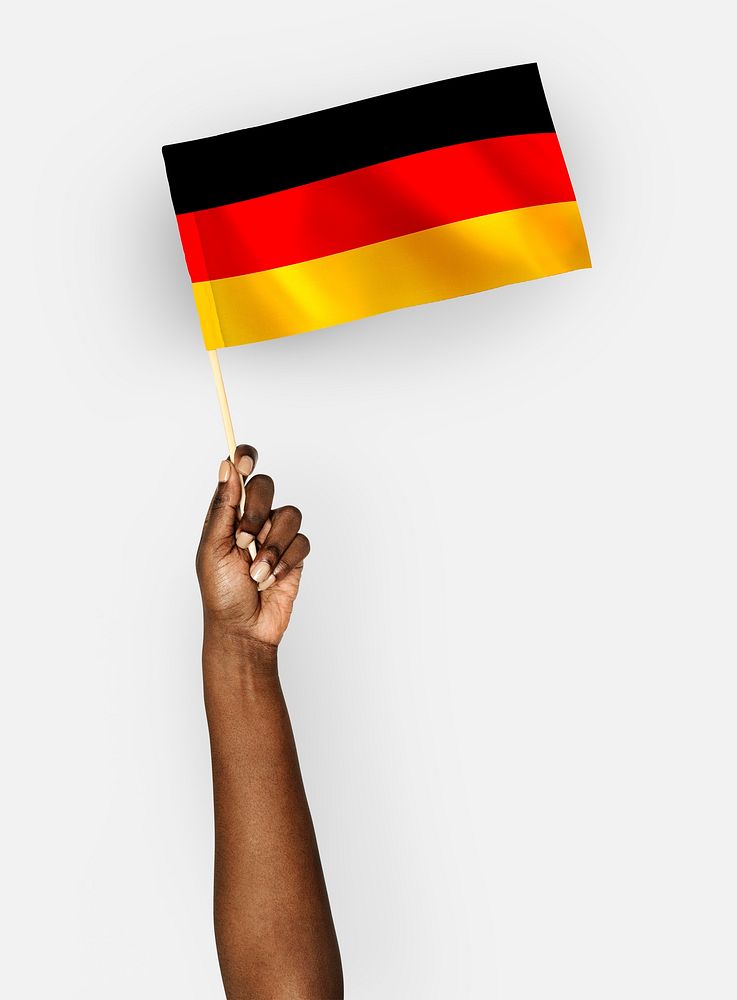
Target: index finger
(245,459)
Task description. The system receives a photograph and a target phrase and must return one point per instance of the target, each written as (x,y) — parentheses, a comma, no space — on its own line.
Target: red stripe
(375,203)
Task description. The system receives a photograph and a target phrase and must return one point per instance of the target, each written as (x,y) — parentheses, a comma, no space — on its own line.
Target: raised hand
(252,599)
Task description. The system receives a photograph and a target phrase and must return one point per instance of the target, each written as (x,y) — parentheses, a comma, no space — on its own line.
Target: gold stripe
(434,264)
(204,298)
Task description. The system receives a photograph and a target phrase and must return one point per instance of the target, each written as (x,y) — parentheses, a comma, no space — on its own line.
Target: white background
(511,670)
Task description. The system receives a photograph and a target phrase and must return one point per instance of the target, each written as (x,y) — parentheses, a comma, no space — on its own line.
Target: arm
(273,927)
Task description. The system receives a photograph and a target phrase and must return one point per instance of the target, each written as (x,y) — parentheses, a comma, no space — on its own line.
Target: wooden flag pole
(223,401)
(227,421)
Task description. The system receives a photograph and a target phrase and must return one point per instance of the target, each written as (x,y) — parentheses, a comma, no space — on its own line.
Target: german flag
(416,196)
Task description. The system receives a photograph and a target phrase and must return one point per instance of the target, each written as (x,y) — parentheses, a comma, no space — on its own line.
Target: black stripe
(255,161)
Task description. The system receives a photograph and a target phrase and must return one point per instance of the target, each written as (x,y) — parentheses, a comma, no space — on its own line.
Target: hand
(249,599)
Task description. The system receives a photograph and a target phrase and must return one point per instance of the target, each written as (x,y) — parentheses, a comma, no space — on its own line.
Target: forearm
(273,925)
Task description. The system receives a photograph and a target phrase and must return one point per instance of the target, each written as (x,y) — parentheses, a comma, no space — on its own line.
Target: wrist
(230,653)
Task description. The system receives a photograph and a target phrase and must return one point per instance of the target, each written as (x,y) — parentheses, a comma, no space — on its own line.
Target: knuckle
(219,501)
(261,482)
(292,513)
(304,543)
(294,555)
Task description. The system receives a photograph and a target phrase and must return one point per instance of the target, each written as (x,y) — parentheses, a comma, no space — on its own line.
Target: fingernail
(245,465)
(267,583)
(224,471)
(243,539)
(260,570)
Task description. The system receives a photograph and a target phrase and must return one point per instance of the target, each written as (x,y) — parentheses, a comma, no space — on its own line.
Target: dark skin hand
(273,926)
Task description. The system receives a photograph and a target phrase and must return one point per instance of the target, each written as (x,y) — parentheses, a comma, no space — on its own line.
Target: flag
(415,196)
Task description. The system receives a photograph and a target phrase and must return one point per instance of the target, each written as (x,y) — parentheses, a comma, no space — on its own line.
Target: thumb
(224,512)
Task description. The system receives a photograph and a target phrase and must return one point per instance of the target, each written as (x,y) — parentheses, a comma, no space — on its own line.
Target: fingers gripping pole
(227,420)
